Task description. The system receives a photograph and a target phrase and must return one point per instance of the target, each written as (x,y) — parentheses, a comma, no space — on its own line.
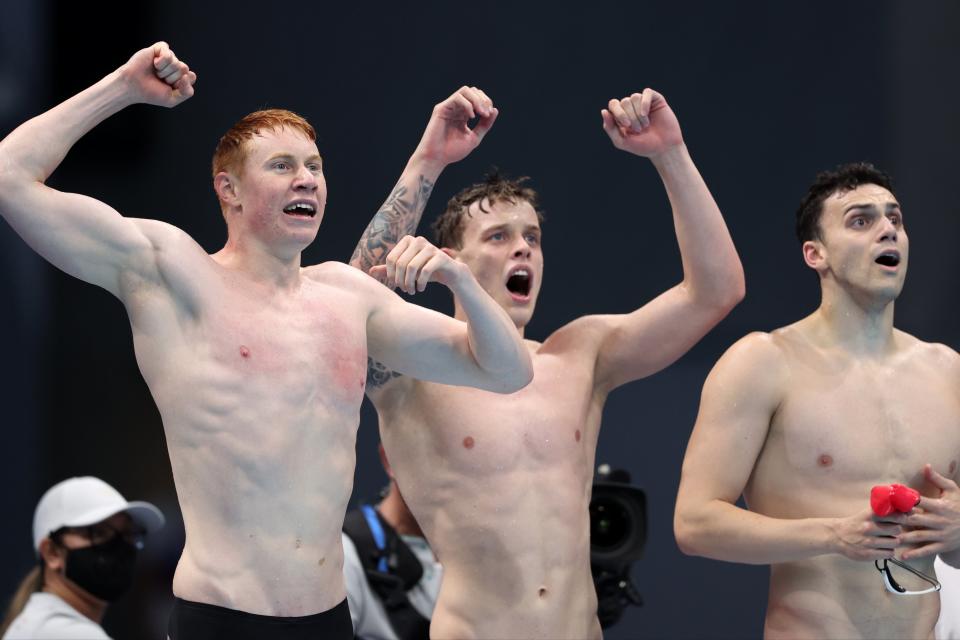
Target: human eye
(281,165)
(533,238)
(858,221)
(496,235)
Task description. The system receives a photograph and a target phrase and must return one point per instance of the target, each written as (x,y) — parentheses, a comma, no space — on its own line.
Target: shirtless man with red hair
(257,364)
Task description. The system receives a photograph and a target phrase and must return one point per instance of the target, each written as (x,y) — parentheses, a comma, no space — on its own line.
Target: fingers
(611,128)
(411,264)
(426,273)
(480,101)
(941,482)
(620,116)
(485,123)
(391,261)
(923,551)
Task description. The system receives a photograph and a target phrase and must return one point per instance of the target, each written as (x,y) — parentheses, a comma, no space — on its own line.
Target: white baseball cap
(79,502)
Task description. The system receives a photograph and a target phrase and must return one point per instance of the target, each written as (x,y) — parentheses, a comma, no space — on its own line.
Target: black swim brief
(199,621)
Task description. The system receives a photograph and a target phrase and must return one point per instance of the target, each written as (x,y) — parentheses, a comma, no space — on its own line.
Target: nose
(522,249)
(888,232)
(305,180)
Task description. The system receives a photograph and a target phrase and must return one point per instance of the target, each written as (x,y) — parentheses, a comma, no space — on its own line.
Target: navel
(825,460)
(542,592)
(468,442)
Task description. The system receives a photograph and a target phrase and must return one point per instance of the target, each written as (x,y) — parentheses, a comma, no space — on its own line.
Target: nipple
(468,442)
(825,460)
(244,351)
(577,435)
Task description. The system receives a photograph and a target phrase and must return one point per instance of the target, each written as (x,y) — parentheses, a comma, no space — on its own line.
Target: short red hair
(232,148)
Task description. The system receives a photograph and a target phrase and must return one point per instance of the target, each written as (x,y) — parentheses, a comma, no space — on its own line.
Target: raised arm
(82,236)
(655,335)
(739,399)
(448,138)
(486,352)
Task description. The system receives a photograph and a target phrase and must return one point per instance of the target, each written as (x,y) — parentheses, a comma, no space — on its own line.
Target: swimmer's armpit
(378,375)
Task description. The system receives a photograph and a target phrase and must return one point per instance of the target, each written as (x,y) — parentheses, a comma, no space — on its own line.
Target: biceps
(78,234)
(653,337)
(420,343)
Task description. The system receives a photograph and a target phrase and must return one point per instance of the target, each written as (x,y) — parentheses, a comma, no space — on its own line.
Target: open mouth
(888,259)
(519,283)
(300,209)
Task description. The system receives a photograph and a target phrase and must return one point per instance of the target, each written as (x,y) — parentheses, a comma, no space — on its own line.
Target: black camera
(618,533)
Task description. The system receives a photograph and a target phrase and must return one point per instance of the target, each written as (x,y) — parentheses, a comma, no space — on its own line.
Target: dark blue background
(767,94)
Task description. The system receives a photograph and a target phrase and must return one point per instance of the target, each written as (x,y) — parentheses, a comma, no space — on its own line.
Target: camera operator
(392,575)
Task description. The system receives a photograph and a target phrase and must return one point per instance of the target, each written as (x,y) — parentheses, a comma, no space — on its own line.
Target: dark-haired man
(501,485)
(805,420)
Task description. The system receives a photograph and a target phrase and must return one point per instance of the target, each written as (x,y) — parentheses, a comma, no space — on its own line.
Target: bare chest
(858,424)
(298,347)
(553,420)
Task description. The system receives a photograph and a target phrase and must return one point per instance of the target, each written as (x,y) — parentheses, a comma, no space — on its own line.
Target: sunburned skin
(261,436)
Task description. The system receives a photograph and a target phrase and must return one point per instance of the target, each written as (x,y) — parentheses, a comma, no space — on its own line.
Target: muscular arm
(447,139)
(739,400)
(486,352)
(655,335)
(80,235)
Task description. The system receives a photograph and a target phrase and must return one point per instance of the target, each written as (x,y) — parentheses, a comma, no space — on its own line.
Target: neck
(395,511)
(281,270)
(863,326)
(87,605)
(459,314)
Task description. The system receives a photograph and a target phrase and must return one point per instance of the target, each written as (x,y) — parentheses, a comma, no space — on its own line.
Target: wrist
(120,89)
(671,157)
(425,165)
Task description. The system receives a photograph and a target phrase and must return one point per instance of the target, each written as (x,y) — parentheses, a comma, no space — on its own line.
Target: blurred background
(767,94)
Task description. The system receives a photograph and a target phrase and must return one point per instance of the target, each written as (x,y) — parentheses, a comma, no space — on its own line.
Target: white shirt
(948,627)
(370,620)
(47,617)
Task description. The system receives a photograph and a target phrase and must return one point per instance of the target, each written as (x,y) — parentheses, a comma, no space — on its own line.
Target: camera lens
(610,523)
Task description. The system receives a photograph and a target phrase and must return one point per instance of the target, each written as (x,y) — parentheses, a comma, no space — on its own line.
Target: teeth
(521,272)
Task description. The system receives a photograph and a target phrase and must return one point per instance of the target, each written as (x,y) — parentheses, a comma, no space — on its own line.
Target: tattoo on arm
(398,217)
(378,375)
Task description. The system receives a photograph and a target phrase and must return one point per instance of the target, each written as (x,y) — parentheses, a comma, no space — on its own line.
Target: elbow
(515,379)
(721,296)
(688,533)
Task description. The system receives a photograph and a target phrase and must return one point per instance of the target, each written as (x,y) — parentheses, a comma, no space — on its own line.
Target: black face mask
(104,570)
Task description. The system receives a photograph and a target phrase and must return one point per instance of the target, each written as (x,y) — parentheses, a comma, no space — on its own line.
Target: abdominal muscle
(262,446)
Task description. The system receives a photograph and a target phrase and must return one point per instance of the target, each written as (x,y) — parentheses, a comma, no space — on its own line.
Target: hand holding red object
(887,498)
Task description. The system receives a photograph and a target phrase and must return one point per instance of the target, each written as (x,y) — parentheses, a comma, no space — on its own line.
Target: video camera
(618,533)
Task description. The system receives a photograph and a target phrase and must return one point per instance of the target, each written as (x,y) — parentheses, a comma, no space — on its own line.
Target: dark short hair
(448,228)
(845,177)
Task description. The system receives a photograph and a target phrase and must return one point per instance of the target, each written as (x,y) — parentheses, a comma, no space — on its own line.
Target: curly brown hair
(448,228)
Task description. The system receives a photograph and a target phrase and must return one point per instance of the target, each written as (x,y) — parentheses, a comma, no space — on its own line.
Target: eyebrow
(290,156)
(869,205)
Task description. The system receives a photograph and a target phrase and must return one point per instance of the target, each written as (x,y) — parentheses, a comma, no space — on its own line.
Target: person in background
(392,575)
(86,537)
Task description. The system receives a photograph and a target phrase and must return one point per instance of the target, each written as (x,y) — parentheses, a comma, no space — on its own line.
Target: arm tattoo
(398,217)
(378,375)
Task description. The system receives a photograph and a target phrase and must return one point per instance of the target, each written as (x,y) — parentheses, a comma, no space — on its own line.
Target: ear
(815,254)
(384,461)
(450,252)
(54,556)
(225,184)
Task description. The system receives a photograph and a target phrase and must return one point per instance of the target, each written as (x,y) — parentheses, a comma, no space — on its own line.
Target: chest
(552,420)
(298,345)
(863,423)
